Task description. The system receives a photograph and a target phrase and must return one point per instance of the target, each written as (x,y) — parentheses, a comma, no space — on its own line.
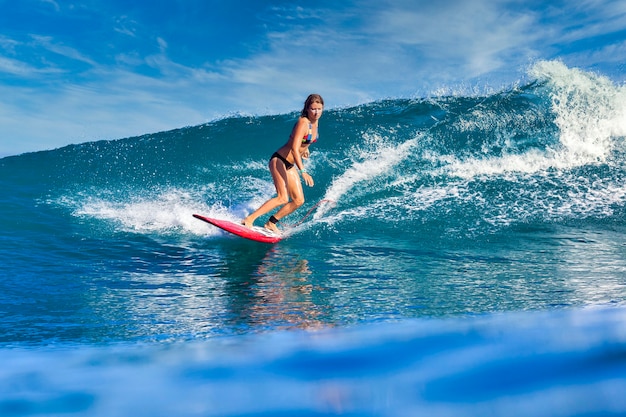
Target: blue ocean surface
(459,255)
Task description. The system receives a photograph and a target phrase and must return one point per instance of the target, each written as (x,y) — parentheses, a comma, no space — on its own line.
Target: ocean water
(463,254)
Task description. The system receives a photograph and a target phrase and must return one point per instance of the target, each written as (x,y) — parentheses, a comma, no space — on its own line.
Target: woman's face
(315,111)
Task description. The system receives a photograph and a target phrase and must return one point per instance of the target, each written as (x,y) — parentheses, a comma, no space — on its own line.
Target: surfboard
(256,233)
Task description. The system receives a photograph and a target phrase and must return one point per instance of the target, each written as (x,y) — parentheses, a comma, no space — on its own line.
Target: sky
(80,71)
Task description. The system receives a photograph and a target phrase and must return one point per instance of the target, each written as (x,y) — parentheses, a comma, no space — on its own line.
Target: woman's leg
(279,175)
(294,188)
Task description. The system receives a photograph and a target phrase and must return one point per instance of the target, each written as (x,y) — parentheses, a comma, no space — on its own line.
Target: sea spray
(589,111)
(371,163)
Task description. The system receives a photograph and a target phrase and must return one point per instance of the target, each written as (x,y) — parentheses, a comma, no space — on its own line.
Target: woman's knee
(282,200)
(298,201)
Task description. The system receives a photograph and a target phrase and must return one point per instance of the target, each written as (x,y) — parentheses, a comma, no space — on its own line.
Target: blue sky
(77,71)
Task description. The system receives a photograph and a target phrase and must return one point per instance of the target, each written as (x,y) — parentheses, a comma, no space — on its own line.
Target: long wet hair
(312,98)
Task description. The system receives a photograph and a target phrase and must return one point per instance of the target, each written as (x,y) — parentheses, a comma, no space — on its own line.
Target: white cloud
(474,36)
(53,3)
(49,44)
(126,105)
(15,67)
(586,19)
(8,44)
(125,26)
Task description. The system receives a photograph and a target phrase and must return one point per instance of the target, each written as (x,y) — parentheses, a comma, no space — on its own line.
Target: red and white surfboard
(258,234)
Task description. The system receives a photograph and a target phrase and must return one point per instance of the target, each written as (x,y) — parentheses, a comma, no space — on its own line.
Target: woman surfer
(286,179)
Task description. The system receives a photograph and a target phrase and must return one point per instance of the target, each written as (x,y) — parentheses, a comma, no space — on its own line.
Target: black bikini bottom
(288,164)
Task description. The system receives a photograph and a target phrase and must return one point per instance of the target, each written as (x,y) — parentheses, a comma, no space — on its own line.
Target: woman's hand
(308,180)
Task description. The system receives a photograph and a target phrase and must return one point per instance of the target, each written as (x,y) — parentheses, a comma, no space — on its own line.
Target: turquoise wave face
(548,152)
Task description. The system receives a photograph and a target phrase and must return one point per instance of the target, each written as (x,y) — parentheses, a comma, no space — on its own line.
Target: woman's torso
(310,136)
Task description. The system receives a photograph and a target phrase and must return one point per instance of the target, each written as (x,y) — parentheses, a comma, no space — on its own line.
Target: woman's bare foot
(247,222)
(272,227)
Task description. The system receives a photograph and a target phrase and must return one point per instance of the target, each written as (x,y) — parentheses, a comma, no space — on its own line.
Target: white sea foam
(170,210)
(590,113)
(378,158)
